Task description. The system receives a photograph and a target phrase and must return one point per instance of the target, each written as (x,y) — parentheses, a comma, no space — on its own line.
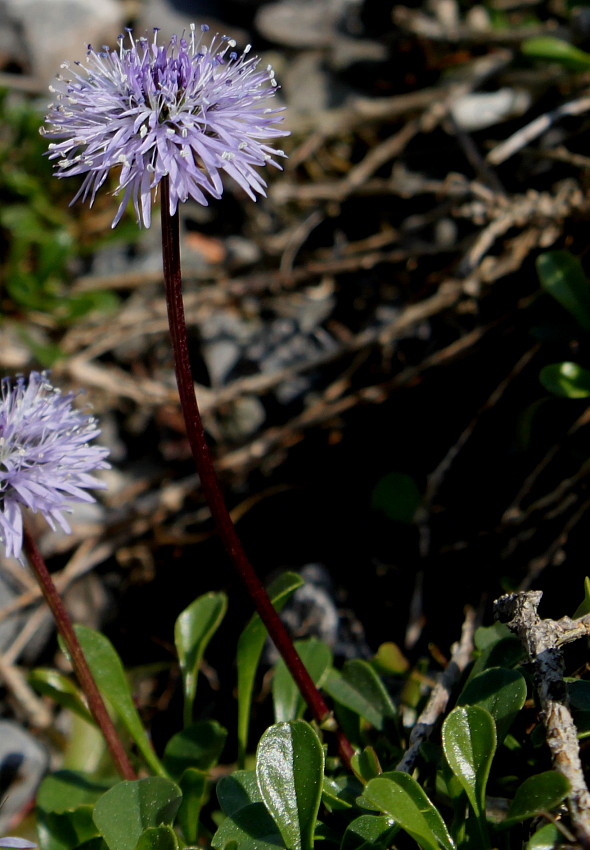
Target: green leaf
(198,745)
(340,793)
(67,829)
(131,807)
(250,828)
(157,838)
(537,794)
(501,691)
(390,660)
(497,647)
(290,770)
(193,630)
(398,795)
(287,700)
(562,276)
(555,50)
(249,650)
(193,784)
(65,790)
(584,607)
(110,678)
(365,764)
(237,790)
(546,838)
(360,689)
(397,496)
(368,832)
(61,689)
(566,379)
(469,743)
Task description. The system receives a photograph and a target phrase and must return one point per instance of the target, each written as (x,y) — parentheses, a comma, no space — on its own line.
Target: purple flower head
(187,110)
(21,843)
(45,456)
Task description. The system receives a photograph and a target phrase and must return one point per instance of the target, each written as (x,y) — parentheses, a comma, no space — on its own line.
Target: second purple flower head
(188,111)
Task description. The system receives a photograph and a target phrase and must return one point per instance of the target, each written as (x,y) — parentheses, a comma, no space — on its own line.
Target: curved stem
(78,659)
(210,484)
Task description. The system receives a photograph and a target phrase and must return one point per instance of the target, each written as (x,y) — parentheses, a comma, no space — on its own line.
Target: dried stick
(441,693)
(542,640)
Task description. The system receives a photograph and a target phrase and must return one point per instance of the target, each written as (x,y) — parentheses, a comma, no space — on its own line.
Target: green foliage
(551,49)
(37,232)
(193,630)
(295,798)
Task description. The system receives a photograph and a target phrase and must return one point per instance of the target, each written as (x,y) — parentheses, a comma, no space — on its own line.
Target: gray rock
(304,23)
(174,16)
(66,28)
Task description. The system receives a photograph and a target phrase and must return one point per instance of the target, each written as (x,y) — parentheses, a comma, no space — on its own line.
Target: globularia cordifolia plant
(170,119)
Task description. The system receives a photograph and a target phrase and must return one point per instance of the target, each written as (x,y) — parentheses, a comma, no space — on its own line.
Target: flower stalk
(210,483)
(82,670)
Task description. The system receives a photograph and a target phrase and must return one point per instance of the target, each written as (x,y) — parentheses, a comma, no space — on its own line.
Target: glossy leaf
(131,807)
(501,691)
(250,828)
(61,689)
(360,689)
(469,743)
(287,700)
(290,771)
(109,674)
(537,794)
(157,838)
(368,832)
(551,49)
(193,630)
(562,276)
(567,379)
(198,745)
(398,795)
(365,764)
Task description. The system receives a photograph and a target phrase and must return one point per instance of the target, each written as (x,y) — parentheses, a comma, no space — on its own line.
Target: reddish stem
(78,659)
(210,484)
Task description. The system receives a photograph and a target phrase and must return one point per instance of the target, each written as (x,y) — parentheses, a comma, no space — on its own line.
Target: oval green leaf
(398,795)
(290,771)
(131,807)
(501,691)
(193,630)
(537,794)
(469,743)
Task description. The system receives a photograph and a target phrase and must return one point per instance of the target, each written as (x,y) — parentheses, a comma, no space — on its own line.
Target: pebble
(59,30)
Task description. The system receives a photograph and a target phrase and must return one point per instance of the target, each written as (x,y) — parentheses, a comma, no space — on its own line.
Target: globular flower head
(45,455)
(188,111)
